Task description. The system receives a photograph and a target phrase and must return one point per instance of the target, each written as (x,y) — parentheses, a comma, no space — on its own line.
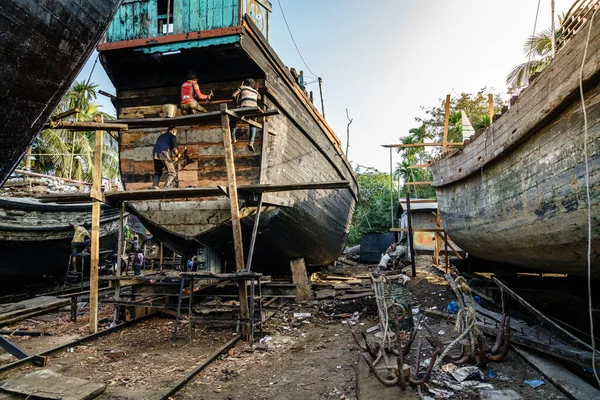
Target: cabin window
(165,16)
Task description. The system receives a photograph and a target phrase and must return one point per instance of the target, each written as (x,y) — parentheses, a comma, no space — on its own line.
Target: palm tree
(70,154)
(538,50)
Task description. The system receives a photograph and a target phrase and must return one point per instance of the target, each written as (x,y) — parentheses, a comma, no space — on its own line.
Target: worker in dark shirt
(165,155)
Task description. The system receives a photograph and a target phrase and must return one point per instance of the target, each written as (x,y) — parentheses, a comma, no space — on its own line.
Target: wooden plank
(539,314)
(300,279)
(236,226)
(419,201)
(254,232)
(417,183)
(95,245)
(194,119)
(411,237)
(438,225)
(120,242)
(416,229)
(565,380)
(446,120)
(85,126)
(264,153)
(419,166)
(402,146)
(210,191)
(491,106)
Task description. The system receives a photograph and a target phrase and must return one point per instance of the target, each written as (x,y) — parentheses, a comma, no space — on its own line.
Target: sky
(384,59)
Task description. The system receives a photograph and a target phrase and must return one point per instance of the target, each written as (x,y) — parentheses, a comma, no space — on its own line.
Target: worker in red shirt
(191,94)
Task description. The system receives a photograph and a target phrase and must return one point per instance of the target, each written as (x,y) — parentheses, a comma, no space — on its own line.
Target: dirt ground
(312,357)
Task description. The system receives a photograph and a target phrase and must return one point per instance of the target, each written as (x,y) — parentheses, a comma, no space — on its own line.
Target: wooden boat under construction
(225,45)
(43,45)
(35,237)
(516,194)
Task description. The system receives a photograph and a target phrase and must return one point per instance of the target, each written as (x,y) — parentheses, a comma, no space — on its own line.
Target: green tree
(474,105)
(68,154)
(372,211)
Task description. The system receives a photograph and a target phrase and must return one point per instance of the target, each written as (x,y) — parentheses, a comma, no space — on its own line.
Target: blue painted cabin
(155,42)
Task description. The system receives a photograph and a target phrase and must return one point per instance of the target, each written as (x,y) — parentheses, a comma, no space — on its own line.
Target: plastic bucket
(170,110)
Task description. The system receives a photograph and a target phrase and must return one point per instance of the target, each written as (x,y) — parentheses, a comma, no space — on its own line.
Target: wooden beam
(420,201)
(402,145)
(236,227)
(446,121)
(95,245)
(300,279)
(244,119)
(411,236)
(85,126)
(65,114)
(438,225)
(450,245)
(491,106)
(254,232)
(419,166)
(209,191)
(432,230)
(207,118)
(417,183)
(119,255)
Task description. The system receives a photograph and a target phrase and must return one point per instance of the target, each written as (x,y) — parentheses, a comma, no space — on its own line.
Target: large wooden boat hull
(35,237)
(300,147)
(43,45)
(516,195)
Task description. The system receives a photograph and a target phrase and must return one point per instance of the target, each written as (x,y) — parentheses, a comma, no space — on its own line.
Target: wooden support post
(254,232)
(452,247)
(300,279)
(28,159)
(95,246)
(491,105)
(446,121)
(117,283)
(410,236)
(236,226)
(446,251)
(438,225)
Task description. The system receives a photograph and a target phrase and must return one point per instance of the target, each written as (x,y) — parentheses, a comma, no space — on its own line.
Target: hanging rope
(589,206)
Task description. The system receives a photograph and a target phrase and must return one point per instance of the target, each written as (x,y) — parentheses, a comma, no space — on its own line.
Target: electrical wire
(294,41)
(589,205)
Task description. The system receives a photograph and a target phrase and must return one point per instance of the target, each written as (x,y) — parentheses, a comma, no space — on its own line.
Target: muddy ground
(313,357)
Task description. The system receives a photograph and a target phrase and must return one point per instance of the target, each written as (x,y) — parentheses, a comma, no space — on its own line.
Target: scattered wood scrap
(48,384)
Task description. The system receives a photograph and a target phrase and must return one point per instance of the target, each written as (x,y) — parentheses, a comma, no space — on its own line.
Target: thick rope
(589,206)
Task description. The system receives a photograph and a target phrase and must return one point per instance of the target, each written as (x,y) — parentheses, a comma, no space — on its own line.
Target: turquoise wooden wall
(138,19)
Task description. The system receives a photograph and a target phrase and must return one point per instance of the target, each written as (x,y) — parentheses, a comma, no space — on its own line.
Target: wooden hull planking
(43,46)
(517,194)
(299,147)
(35,238)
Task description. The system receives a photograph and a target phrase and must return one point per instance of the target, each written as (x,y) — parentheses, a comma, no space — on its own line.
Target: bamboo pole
(446,121)
(95,246)
(236,226)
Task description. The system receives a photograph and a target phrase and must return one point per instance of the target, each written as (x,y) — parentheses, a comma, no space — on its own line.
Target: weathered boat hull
(35,238)
(43,45)
(517,194)
(300,147)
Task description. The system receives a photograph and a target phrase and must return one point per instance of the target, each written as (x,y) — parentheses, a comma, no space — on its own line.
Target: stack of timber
(43,46)
(516,195)
(296,146)
(35,237)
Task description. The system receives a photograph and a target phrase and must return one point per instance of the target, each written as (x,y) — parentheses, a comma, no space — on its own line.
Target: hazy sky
(384,59)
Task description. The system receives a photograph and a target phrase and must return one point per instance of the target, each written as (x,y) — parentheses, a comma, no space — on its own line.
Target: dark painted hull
(516,195)
(35,238)
(43,45)
(309,224)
